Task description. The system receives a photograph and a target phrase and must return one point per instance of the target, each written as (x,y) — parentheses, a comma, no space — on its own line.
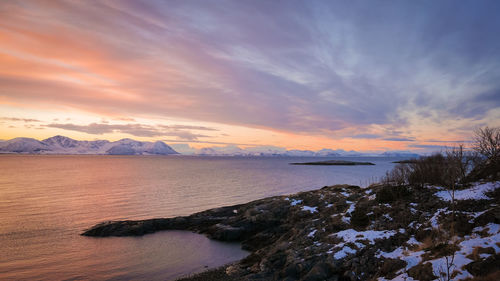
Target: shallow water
(46,202)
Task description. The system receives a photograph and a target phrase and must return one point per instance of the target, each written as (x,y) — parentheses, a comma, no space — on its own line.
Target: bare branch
(487,142)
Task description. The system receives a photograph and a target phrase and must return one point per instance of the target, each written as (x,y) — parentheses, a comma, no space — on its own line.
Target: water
(46,202)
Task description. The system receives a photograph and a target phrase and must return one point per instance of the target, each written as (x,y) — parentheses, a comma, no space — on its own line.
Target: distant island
(333,163)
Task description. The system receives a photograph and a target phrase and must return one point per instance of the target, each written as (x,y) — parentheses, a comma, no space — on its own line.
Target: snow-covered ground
(460,259)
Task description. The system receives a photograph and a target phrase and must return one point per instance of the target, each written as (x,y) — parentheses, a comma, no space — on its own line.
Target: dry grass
(426,243)
(495,276)
(474,255)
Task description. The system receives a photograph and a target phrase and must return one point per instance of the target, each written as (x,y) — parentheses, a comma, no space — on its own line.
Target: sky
(354,75)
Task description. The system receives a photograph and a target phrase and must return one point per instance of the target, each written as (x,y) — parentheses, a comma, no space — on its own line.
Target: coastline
(341,231)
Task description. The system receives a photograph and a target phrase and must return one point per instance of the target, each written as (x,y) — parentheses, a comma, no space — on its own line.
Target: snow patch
(434,219)
(346,194)
(311,234)
(351,207)
(476,192)
(351,235)
(414,224)
(411,258)
(413,241)
(474,215)
(491,228)
(310,209)
(346,250)
(359,245)
(387,217)
(346,219)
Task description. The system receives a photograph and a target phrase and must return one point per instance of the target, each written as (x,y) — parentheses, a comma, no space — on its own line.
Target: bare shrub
(399,175)
(487,142)
(427,170)
(459,163)
(445,169)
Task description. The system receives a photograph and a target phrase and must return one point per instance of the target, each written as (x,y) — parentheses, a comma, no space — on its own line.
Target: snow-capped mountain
(329,152)
(231,150)
(130,147)
(65,145)
(24,145)
(61,142)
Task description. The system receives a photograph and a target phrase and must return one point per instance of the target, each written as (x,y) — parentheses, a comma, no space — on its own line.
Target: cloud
(14,119)
(297,66)
(128,119)
(204,141)
(366,136)
(138,130)
(428,146)
(399,139)
(450,141)
(188,127)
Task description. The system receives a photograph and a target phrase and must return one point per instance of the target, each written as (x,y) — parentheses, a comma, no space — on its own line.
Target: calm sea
(47,201)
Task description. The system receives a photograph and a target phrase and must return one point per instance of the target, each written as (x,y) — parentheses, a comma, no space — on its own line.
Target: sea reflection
(47,201)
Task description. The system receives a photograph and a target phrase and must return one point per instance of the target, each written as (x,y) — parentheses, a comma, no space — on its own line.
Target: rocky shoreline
(346,232)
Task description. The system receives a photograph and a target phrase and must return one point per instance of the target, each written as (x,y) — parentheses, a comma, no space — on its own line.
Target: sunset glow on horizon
(367,76)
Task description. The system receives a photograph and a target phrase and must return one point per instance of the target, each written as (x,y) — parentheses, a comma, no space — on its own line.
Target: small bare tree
(446,273)
(455,170)
(457,165)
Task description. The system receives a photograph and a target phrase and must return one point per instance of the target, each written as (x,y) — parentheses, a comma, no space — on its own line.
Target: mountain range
(236,151)
(65,145)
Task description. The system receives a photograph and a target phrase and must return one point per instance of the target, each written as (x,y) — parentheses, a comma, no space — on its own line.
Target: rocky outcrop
(341,232)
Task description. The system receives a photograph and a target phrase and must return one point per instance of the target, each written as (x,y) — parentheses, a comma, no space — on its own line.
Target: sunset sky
(360,75)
